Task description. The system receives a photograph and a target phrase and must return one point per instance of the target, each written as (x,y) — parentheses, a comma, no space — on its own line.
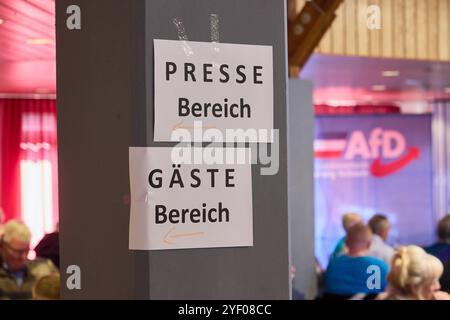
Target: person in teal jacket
(348,220)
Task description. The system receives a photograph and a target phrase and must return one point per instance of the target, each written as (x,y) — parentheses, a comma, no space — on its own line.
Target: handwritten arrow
(180,125)
(169,236)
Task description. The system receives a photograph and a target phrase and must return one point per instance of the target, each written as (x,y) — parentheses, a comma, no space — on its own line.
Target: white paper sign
(188,206)
(225,86)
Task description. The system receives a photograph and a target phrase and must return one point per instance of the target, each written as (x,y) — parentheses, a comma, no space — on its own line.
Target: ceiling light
(40,41)
(390,73)
(378,87)
(1,21)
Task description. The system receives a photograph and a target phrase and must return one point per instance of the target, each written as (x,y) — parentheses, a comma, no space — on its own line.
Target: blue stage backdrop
(370,164)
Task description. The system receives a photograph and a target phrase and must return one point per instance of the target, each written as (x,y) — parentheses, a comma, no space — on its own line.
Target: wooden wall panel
(326,45)
(433,25)
(375,34)
(422,29)
(411,29)
(398,28)
(338,31)
(361,23)
(350,27)
(444,26)
(387,37)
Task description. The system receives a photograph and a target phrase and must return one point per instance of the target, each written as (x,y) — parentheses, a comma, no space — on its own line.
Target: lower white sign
(184,206)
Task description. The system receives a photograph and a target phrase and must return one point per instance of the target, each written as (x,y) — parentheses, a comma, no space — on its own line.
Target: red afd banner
(373,164)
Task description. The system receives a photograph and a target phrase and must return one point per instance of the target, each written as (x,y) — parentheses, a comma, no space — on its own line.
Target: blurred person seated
(320,277)
(444,256)
(445,279)
(48,247)
(47,288)
(442,246)
(18,274)
(296,294)
(348,220)
(348,275)
(380,226)
(414,275)
(2,221)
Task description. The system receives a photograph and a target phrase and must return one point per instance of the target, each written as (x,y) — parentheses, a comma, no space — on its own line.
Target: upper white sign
(228,87)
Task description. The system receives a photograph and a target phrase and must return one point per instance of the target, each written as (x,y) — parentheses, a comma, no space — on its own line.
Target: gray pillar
(301,185)
(105,105)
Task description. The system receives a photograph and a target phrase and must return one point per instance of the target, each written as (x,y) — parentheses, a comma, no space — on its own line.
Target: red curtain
(11,110)
(28,132)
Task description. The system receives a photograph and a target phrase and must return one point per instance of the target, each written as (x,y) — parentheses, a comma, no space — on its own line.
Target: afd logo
(389,145)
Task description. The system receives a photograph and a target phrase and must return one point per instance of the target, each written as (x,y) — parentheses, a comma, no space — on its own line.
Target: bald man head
(358,240)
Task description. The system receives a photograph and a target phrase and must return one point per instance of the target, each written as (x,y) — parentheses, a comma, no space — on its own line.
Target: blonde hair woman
(47,288)
(414,275)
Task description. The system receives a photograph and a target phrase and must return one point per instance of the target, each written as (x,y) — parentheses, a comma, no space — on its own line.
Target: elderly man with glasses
(18,275)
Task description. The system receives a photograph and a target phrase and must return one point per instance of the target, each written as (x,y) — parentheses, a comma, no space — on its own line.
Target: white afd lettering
(357,146)
(389,144)
(394,144)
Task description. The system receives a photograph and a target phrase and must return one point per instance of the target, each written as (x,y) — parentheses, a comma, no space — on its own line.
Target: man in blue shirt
(356,273)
